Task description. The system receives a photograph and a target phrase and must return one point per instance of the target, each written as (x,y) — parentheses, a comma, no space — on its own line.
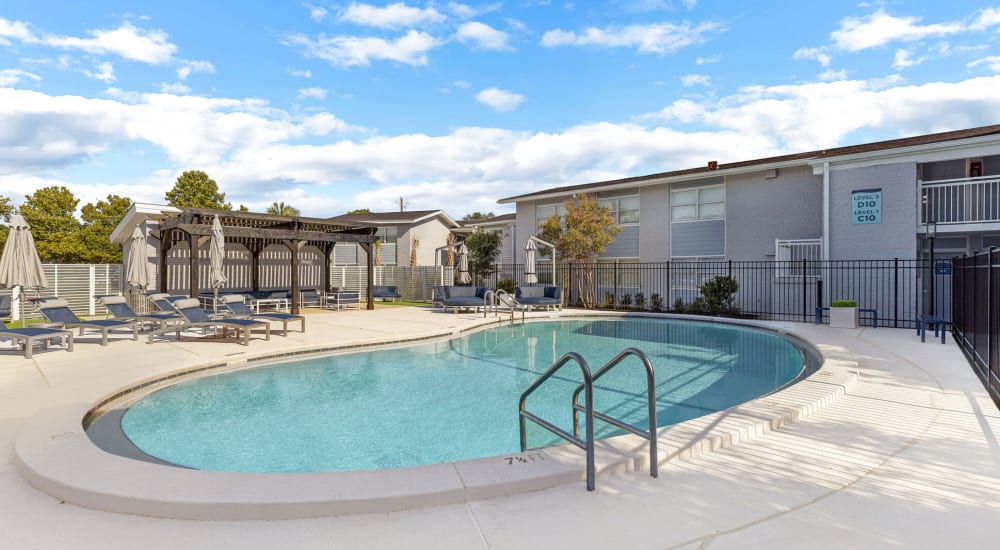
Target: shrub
(679,305)
(626,300)
(698,306)
(609,300)
(640,300)
(719,294)
(845,303)
(656,301)
(507,285)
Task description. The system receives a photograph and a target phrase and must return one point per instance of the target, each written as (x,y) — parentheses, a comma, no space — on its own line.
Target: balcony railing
(967,200)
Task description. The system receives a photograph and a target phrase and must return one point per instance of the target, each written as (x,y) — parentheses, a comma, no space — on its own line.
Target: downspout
(825,253)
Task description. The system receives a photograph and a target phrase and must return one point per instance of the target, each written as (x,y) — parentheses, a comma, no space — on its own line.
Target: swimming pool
(448,400)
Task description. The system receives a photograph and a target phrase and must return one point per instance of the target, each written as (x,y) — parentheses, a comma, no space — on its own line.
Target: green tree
(50,211)
(6,211)
(99,220)
(475,216)
(484,246)
(360,211)
(583,235)
(243,208)
(195,189)
(282,209)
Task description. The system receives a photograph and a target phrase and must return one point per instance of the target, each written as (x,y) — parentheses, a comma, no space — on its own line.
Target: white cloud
(175,88)
(351,51)
(126,41)
(9,77)
(500,100)
(482,36)
(17,30)
(465,11)
(831,75)
(317,13)
(105,72)
(813,53)
(392,16)
(696,80)
(462,84)
(880,28)
(314,93)
(992,62)
(657,38)
(300,73)
(189,66)
(903,59)
(708,60)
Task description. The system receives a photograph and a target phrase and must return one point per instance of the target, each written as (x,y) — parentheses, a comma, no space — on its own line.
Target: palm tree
(282,209)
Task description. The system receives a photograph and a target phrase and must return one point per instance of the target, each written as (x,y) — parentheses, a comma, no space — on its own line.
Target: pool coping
(54,454)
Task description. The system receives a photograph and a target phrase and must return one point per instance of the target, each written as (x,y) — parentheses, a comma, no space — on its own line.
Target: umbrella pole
(215,300)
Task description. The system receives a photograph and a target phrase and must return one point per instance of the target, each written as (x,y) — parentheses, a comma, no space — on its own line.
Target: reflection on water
(450,400)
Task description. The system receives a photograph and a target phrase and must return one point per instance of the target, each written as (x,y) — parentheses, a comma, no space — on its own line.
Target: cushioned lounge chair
(310,297)
(58,312)
(119,308)
(4,306)
(165,302)
(240,310)
(386,292)
(539,296)
(27,337)
(464,297)
(190,310)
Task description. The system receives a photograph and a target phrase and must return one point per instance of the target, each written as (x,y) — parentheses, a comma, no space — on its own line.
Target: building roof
(763,163)
(389,218)
(503,219)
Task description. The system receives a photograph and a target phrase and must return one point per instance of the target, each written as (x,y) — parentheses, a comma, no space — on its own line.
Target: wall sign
(866,206)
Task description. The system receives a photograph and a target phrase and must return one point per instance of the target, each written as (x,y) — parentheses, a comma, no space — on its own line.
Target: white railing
(966,200)
(789,253)
(79,284)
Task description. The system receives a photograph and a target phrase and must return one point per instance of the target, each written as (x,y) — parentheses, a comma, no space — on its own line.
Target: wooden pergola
(256,232)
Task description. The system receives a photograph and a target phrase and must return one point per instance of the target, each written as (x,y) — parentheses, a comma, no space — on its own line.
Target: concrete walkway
(909,458)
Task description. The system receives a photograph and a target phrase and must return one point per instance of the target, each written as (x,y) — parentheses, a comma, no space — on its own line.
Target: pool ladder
(587,387)
(494,300)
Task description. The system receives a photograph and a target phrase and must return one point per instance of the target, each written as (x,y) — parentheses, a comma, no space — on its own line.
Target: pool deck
(907,457)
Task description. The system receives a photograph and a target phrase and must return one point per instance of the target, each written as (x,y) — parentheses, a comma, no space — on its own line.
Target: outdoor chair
(464,297)
(119,309)
(27,337)
(386,292)
(310,297)
(165,302)
(240,310)
(5,306)
(57,312)
(544,297)
(190,310)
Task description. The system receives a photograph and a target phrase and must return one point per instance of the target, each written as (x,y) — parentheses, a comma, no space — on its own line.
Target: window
(706,203)
(542,213)
(625,209)
(789,256)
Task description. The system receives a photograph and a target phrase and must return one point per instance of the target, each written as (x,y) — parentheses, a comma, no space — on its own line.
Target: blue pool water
(449,400)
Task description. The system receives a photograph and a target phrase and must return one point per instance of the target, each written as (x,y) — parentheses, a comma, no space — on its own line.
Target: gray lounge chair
(28,336)
(5,306)
(58,312)
(544,297)
(119,308)
(464,297)
(190,310)
(235,304)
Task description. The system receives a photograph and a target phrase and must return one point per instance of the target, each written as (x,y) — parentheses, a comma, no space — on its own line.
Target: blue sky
(335,106)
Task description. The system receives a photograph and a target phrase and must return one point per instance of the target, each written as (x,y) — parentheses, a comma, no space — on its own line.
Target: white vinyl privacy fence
(79,284)
(415,283)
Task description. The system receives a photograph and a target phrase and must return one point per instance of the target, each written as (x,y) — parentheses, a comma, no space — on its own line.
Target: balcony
(960,201)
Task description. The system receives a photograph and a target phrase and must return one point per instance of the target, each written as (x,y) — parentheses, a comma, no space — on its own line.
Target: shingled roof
(811,155)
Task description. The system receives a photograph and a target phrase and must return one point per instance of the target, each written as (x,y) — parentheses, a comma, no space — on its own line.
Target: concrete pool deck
(908,457)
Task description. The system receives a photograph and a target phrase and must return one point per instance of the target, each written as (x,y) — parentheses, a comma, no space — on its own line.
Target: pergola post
(293,247)
(194,244)
(255,267)
(370,261)
(166,242)
(325,272)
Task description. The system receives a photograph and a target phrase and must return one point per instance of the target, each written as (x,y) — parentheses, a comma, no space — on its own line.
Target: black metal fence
(777,290)
(976,314)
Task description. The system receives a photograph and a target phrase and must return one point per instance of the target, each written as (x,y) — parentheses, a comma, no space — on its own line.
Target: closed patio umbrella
(20,265)
(463,265)
(216,259)
(530,278)
(136,274)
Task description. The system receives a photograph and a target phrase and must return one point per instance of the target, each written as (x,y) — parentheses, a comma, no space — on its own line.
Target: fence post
(729,270)
(805,309)
(895,293)
(93,290)
(615,286)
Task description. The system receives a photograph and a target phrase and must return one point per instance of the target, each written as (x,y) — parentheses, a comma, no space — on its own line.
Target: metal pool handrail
(586,444)
(650,397)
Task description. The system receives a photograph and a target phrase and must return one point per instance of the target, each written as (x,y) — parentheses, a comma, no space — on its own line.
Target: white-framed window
(624,209)
(789,254)
(702,203)
(543,212)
